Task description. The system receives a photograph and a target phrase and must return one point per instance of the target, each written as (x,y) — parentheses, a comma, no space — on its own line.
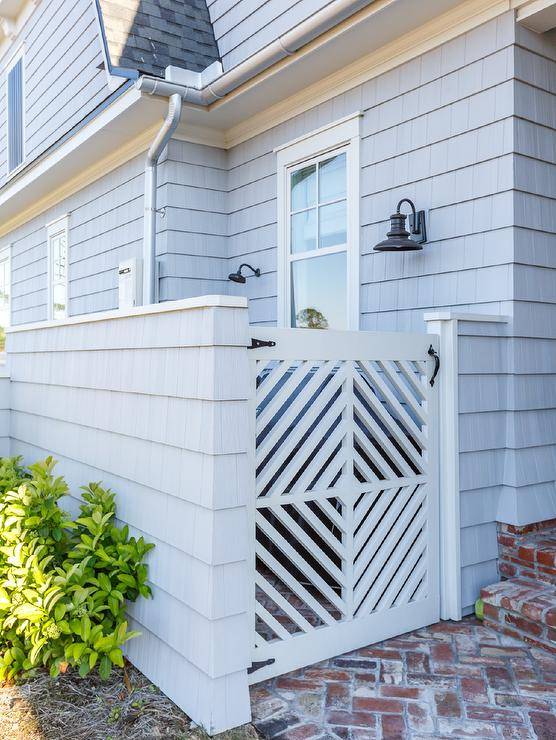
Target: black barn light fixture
(399,238)
(237,277)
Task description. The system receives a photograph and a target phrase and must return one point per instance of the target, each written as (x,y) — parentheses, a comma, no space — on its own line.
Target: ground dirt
(126,707)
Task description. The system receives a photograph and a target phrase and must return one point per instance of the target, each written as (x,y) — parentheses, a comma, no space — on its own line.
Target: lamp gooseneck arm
(409,202)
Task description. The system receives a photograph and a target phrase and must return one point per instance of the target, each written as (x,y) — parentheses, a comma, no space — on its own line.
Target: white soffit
(539,16)
(115,134)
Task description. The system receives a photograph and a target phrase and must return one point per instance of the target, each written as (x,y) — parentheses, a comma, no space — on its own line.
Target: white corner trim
(462,316)
(186,304)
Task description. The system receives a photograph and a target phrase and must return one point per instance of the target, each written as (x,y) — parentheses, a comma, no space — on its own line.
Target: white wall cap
(462,316)
(186,304)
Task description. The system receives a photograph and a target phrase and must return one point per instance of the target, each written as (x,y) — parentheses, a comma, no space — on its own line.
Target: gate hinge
(433,353)
(261,664)
(258,343)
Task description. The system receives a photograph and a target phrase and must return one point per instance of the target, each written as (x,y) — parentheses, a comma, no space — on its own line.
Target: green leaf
(93,657)
(84,668)
(117,657)
(105,667)
(85,627)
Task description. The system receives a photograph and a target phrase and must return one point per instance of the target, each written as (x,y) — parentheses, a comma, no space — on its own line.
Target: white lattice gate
(345,510)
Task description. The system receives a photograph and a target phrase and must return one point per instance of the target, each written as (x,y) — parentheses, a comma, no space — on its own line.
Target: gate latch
(261,664)
(258,343)
(433,353)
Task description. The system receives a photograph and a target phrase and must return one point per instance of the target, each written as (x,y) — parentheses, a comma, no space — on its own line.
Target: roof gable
(150,35)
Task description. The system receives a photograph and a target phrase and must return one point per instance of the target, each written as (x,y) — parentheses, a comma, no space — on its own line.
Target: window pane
(332,178)
(303,188)
(318,292)
(304,231)
(58,301)
(59,257)
(333,224)
(4,301)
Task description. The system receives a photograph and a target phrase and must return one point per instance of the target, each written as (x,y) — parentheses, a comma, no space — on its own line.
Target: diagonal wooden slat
(386,539)
(391,424)
(295,557)
(419,573)
(393,402)
(404,531)
(303,538)
(373,453)
(279,630)
(297,588)
(333,542)
(312,468)
(302,398)
(393,374)
(283,395)
(414,379)
(385,511)
(271,380)
(283,603)
(308,446)
(380,436)
(400,565)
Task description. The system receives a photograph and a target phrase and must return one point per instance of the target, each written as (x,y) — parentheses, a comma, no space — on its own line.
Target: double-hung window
(15,112)
(318,229)
(57,241)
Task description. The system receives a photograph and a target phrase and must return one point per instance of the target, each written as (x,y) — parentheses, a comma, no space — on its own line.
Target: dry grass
(126,707)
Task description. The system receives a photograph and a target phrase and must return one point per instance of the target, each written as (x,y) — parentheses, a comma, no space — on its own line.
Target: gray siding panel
(63,82)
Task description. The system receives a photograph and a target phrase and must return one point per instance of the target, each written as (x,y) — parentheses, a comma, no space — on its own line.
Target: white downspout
(149,222)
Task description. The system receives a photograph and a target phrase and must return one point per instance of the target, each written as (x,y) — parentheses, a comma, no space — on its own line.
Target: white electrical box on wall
(129,283)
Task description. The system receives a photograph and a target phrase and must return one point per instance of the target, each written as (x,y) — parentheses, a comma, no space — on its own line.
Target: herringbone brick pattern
(447,681)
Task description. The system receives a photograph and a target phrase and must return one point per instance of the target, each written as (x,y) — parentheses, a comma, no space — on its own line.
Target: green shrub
(63,583)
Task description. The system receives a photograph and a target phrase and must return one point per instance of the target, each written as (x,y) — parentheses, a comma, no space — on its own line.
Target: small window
(58,269)
(319,229)
(15,107)
(5,296)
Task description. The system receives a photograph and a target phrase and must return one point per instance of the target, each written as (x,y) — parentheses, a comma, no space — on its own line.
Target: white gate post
(445,326)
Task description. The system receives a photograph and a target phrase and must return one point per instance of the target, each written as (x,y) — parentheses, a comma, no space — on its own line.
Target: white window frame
(19,55)
(340,136)
(6,256)
(55,228)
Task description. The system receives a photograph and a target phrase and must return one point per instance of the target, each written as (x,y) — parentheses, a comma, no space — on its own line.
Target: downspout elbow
(149,233)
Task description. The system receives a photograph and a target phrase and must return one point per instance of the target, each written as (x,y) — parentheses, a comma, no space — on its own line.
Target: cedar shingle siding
(150,36)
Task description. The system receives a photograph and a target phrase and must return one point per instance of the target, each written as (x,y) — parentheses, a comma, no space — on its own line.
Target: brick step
(522,608)
(528,552)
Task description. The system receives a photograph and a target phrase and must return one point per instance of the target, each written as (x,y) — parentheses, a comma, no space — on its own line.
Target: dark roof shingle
(150,35)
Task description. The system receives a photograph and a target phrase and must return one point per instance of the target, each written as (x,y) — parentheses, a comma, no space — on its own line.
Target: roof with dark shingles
(150,35)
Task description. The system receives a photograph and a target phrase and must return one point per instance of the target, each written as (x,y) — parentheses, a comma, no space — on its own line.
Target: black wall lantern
(237,277)
(399,239)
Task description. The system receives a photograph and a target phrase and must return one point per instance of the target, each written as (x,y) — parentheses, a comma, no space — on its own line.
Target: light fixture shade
(398,238)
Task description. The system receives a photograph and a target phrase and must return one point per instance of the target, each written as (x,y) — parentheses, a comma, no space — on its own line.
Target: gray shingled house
(162,151)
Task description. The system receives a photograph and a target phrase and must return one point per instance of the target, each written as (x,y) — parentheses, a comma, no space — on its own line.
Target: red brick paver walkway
(450,680)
